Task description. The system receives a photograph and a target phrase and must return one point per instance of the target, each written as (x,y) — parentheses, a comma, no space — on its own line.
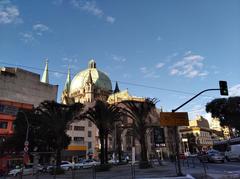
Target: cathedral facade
(87,86)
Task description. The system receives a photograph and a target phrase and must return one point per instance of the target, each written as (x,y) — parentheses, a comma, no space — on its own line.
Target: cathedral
(87,86)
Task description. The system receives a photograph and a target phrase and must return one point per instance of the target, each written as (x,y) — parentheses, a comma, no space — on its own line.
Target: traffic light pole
(174,110)
(179,171)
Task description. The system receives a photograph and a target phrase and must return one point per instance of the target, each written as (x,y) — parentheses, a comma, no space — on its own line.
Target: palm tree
(140,113)
(54,119)
(103,115)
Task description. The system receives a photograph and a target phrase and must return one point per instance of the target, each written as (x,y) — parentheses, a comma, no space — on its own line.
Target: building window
(89,133)
(89,124)
(79,128)
(78,138)
(3,125)
(89,145)
(69,127)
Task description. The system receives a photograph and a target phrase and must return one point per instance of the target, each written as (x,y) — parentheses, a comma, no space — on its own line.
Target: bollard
(54,172)
(193,163)
(73,173)
(204,168)
(21,174)
(36,176)
(133,171)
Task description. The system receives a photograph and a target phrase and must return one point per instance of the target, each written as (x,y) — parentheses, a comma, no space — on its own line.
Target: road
(125,172)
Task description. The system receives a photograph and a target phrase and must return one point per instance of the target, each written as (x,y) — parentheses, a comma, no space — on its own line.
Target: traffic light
(223,88)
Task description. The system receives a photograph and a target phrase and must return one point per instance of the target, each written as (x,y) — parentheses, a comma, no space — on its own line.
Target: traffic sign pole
(179,172)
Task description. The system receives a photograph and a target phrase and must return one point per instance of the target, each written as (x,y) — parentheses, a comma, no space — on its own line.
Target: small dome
(99,78)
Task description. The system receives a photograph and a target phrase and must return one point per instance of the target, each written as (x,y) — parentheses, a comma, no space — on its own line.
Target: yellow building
(202,134)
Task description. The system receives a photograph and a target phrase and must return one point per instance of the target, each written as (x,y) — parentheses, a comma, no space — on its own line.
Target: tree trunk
(106,149)
(58,158)
(102,149)
(143,148)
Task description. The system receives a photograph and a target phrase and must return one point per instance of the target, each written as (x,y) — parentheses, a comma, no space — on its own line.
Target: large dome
(100,79)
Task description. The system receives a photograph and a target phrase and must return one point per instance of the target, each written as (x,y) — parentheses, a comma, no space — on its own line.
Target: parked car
(26,170)
(114,162)
(215,156)
(233,152)
(90,163)
(66,165)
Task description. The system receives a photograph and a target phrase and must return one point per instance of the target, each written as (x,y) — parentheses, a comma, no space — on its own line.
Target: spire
(116,90)
(68,82)
(92,64)
(89,80)
(45,78)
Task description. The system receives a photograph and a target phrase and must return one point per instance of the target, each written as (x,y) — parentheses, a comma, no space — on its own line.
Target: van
(233,152)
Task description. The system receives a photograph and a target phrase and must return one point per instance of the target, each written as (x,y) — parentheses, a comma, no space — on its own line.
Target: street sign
(174,119)
(25,149)
(26,143)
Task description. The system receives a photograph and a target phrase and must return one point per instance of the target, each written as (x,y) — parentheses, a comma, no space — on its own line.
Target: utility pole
(223,85)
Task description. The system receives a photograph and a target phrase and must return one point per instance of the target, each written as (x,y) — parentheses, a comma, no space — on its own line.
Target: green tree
(192,142)
(103,115)
(15,143)
(54,119)
(227,110)
(141,114)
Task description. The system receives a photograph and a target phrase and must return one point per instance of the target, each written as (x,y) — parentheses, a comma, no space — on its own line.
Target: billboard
(159,137)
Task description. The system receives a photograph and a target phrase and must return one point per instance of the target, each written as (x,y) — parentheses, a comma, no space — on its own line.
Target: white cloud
(189,66)
(57,74)
(70,60)
(159,38)
(125,75)
(27,37)
(234,90)
(149,73)
(160,65)
(119,58)
(196,110)
(57,2)
(143,69)
(92,8)
(9,13)
(40,28)
(88,6)
(110,19)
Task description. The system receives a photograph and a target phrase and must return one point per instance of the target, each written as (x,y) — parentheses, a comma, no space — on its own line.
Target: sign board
(26,143)
(174,119)
(159,137)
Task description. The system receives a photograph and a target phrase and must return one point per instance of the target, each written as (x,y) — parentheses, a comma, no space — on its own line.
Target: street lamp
(26,143)
(26,119)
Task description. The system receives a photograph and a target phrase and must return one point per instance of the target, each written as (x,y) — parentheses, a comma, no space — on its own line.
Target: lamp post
(26,143)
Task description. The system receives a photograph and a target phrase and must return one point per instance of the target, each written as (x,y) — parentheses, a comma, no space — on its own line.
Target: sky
(168,49)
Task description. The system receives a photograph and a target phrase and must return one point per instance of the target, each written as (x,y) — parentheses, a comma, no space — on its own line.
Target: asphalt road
(125,171)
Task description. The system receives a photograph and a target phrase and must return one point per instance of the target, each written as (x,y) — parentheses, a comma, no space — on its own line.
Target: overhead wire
(121,82)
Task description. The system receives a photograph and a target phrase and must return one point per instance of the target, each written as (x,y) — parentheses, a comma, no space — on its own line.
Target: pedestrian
(127,158)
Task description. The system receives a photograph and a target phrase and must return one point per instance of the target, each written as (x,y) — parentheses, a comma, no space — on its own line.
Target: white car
(66,165)
(90,163)
(78,165)
(114,162)
(26,170)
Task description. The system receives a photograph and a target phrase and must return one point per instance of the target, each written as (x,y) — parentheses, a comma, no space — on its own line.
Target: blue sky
(186,46)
